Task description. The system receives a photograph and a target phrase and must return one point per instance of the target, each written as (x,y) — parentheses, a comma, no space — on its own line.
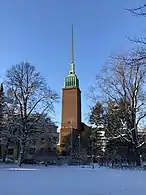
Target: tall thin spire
(72,46)
(71,81)
(72,65)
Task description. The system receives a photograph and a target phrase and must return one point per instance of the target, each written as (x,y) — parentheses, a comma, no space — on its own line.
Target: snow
(65,180)
(22,169)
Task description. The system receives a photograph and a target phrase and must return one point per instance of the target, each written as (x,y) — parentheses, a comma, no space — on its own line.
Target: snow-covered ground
(71,181)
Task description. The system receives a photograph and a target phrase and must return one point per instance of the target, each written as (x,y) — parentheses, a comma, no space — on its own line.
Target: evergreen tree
(122,81)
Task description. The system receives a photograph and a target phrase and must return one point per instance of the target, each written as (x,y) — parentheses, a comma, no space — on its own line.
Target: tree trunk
(21,154)
(135,139)
(16,151)
(137,157)
(5,152)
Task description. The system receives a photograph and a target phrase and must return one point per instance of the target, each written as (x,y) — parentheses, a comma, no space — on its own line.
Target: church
(71,120)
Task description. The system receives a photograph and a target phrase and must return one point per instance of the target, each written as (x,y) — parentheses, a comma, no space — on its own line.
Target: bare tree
(139,11)
(124,79)
(30,94)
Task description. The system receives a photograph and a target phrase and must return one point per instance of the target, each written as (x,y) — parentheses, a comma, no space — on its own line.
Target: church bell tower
(71,101)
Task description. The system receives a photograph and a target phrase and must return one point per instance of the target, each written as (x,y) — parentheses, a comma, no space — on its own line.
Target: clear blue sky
(40,31)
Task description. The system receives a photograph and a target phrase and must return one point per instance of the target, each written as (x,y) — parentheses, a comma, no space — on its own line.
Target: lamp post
(71,135)
(92,156)
(79,139)
(71,141)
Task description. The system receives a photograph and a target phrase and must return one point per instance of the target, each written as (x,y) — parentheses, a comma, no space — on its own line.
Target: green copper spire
(71,81)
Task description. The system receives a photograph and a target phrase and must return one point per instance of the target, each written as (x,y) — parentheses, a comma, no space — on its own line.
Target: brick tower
(71,102)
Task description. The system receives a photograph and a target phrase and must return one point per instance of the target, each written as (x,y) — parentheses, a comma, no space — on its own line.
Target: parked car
(29,161)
